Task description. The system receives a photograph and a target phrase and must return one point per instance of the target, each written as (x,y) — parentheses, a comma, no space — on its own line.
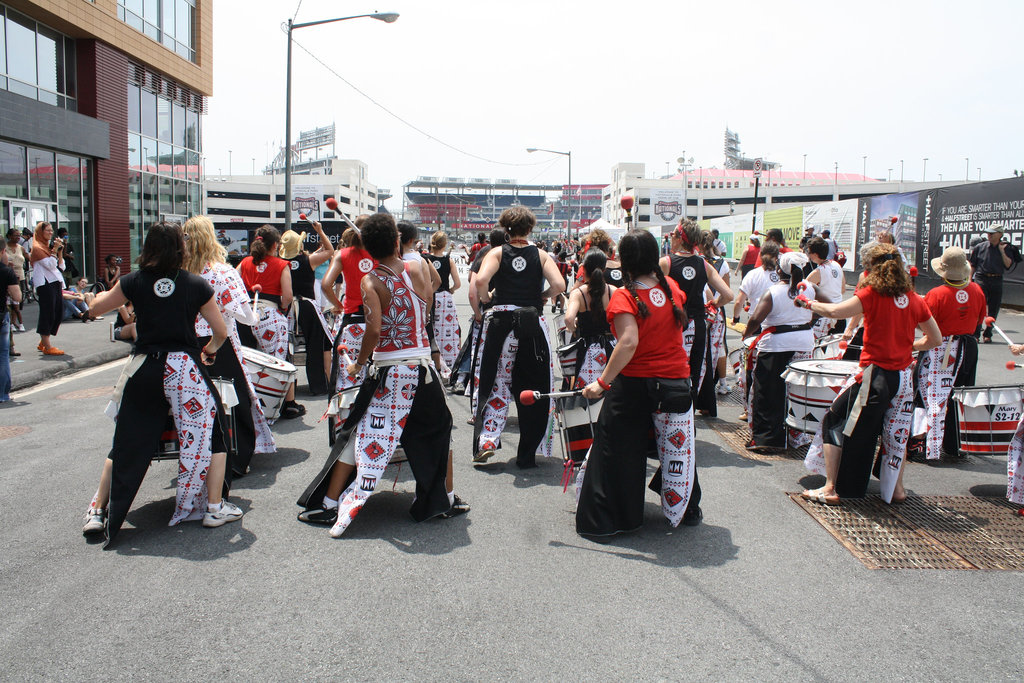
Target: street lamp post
(864,172)
(805,167)
(387,17)
(924,170)
(901,171)
(567,155)
(967,169)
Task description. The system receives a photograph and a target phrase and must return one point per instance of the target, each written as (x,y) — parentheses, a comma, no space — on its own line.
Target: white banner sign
(306,199)
(840,219)
(666,205)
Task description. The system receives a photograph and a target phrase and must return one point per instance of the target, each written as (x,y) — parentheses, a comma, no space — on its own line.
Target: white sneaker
(723,388)
(21,328)
(228,513)
(95,520)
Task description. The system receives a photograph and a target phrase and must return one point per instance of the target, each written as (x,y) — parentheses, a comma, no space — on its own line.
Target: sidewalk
(85,345)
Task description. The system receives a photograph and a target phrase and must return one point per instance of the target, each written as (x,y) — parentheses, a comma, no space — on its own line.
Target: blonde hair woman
(205,257)
(447,332)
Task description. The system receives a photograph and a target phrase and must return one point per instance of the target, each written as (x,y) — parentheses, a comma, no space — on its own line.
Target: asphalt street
(759,591)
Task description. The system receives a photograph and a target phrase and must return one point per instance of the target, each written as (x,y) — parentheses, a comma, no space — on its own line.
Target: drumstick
(343,350)
(256,289)
(332,204)
(992,322)
(528,397)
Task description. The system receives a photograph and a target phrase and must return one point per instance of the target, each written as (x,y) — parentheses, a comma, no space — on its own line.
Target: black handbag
(526,323)
(670,395)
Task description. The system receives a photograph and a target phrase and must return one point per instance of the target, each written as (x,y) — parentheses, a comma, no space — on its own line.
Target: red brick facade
(102,93)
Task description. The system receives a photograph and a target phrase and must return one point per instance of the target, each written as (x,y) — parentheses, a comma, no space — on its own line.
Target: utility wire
(297,11)
(409,124)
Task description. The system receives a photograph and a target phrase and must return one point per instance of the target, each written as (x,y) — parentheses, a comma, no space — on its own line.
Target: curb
(66,367)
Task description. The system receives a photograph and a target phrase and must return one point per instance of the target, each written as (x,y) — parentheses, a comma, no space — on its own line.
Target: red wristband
(604,385)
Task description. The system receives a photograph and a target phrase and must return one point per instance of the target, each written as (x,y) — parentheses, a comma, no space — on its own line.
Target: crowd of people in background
(645,321)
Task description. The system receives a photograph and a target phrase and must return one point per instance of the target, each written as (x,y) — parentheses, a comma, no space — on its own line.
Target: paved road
(758,592)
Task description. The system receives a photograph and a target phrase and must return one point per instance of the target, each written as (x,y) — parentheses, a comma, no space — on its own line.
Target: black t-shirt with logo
(166,308)
(303,277)
(443,266)
(691,275)
(520,277)
(614,277)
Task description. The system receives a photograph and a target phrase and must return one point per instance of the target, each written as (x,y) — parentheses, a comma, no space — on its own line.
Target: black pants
(993,288)
(700,359)
(769,404)
(612,495)
(859,448)
(51,308)
(316,343)
(745,269)
(227,366)
(531,370)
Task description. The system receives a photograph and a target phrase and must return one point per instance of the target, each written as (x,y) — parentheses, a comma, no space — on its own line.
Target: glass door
(26,214)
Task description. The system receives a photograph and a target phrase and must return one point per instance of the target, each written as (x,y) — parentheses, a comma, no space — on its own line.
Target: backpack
(840,257)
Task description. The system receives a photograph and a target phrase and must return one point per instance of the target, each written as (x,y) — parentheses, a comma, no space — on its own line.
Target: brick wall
(102,93)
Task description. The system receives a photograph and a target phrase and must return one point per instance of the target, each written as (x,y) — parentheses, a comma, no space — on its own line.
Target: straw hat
(291,244)
(952,265)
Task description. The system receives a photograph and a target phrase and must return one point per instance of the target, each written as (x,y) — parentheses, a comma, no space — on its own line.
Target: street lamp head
(387,17)
(531,150)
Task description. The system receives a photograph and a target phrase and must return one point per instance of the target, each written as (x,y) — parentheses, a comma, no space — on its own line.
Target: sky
(641,81)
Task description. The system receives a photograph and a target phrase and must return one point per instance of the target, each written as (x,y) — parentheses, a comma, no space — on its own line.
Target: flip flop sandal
(820,498)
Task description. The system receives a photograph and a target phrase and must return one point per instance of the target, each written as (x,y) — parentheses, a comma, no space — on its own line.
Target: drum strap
(757,340)
(862,399)
(424,362)
(130,368)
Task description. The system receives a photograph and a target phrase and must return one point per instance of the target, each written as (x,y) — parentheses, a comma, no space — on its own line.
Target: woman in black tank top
(692,273)
(516,352)
(306,316)
(447,332)
(587,320)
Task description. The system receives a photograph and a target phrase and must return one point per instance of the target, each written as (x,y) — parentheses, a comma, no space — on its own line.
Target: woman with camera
(47,277)
(645,386)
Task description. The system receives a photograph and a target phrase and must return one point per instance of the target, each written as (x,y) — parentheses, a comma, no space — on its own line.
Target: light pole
(229,163)
(865,171)
(901,170)
(888,178)
(387,17)
(979,174)
(967,169)
(567,155)
(805,167)
(924,170)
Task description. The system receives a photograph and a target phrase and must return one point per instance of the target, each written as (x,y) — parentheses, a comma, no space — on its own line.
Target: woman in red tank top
(264,272)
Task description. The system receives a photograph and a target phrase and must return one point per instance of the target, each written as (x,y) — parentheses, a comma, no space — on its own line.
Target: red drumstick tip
(302,216)
(913,271)
(989,320)
(843,344)
(893,219)
(257,288)
(1010,365)
(626,202)
(331,203)
(527,397)
(859,377)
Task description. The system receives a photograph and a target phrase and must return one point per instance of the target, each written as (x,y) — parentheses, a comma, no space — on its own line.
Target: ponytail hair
(770,256)
(264,244)
(639,254)
(689,233)
(593,268)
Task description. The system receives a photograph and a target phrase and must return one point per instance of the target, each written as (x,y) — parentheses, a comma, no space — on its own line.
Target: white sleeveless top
(830,288)
(784,312)
(756,283)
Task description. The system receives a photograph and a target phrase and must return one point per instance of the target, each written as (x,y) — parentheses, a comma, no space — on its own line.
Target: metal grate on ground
(926,532)
(737,435)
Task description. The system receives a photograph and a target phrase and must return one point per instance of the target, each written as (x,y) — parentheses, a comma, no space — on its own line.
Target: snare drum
(561,331)
(828,347)
(170,449)
(567,357)
(576,418)
(270,377)
(987,417)
(811,386)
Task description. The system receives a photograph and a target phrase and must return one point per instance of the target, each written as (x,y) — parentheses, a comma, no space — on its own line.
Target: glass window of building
(148,109)
(163,119)
(35,60)
(13,171)
(178,124)
(21,54)
(41,177)
(134,113)
(169,22)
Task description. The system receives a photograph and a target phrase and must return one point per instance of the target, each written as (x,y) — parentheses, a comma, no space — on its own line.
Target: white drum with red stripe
(270,378)
(811,387)
(987,417)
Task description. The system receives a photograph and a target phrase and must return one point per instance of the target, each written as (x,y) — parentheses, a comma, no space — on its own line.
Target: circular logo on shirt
(365,265)
(901,301)
(519,264)
(616,275)
(437,265)
(163,287)
(835,272)
(689,273)
(657,297)
(295,265)
(773,276)
(962,296)
(261,267)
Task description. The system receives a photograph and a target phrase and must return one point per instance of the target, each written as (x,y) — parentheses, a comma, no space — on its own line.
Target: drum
(736,360)
(828,347)
(576,418)
(811,386)
(567,357)
(169,448)
(987,417)
(561,332)
(270,378)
